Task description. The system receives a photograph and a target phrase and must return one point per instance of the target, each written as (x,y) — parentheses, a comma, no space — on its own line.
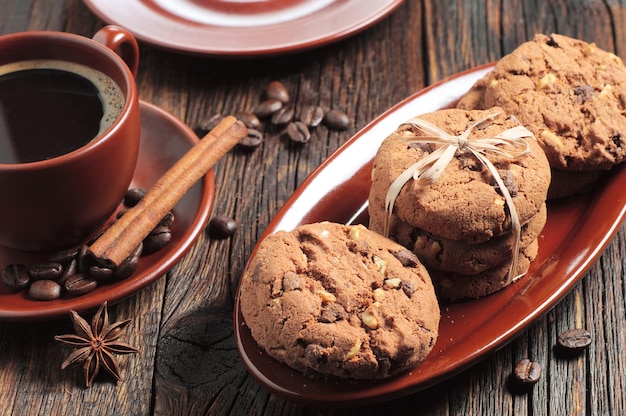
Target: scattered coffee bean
(45,271)
(336,120)
(274,105)
(298,132)
(208,123)
(250,120)
(277,91)
(128,266)
(222,226)
(253,139)
(267,108)
(527,372)
(79,284)
(574,340)
(133,196)
(283,116)
(44,290)
(312,115)
(157,239)
(16,276)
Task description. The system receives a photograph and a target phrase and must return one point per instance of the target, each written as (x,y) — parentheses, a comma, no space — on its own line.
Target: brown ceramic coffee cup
(56,201)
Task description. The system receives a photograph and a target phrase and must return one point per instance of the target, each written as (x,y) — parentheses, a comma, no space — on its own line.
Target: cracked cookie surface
(569,93)
(465,203)
(330,299)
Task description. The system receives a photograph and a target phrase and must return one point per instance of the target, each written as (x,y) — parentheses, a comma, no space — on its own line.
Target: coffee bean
(129,265)
(276,90)
(574,340)
(79,284)
(85,261)
(168,219)
(16,276)
(100,273)
(283,116)
(70,270)
(44,290)
(253,139)
(133,196)
(45,271)
(208,123)
(312,115)
(267,107)
(222,226)
(250,120)
(527,372)
(298,132)
(336,120)
(157,239)
(64,256)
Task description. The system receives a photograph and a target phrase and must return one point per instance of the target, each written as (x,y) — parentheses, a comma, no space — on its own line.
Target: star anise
(96,344)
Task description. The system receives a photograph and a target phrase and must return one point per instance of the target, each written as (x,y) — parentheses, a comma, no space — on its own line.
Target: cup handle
(122,42)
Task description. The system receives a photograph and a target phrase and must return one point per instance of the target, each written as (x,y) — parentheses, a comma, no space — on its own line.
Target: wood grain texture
(188,363)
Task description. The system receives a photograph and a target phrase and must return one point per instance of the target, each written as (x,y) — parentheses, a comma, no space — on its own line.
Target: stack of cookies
(572,96)
(460,225)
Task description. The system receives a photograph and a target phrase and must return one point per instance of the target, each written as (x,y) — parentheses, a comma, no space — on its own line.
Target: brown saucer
(576,233)
(242,29)
(164,139)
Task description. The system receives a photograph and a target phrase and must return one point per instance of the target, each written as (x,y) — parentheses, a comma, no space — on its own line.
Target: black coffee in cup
(49,108)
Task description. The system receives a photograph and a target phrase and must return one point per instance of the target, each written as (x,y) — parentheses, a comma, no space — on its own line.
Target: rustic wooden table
(183,322)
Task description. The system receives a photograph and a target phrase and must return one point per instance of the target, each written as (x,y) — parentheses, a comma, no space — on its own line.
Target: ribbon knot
(462,141)
(510,143)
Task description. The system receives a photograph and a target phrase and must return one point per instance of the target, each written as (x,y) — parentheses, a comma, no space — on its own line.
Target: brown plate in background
(164,140)
(576,233)
(237,28)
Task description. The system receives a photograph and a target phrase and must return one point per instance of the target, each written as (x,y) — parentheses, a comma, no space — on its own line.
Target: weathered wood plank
(183,323)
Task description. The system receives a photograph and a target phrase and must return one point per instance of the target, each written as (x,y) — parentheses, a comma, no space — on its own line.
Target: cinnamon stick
(125,235)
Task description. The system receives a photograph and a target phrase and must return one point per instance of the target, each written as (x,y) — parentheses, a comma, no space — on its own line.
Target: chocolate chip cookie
(465,203)
(335,300)
(569,93)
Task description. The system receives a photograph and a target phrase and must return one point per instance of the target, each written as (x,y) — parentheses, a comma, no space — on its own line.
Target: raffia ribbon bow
(510,143)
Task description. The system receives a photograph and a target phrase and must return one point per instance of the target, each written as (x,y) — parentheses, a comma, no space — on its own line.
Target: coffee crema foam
(109,92)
